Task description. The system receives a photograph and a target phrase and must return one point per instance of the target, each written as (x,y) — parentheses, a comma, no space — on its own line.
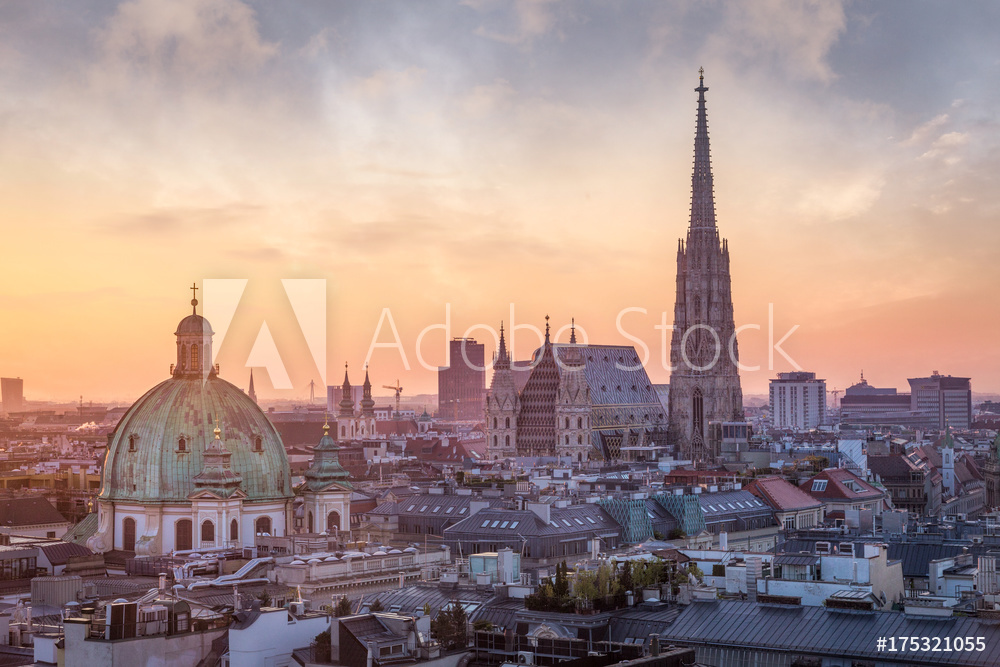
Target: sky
(445,160)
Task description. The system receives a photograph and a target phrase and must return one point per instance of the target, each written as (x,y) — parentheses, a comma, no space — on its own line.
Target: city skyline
(484,154)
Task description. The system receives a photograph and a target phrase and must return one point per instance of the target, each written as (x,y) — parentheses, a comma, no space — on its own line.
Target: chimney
(163,584)
(371,654)
(542,510)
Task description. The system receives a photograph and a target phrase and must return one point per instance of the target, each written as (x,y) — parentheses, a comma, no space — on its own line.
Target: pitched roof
(781,495)
(841,484)
(59,553)
(28,511)
(889,467)
(824,632)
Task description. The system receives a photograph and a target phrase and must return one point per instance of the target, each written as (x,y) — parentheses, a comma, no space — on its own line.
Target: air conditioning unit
(525,658)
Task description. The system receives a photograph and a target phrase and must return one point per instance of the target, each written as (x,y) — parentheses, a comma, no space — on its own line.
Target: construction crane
(399,390)
(836,393)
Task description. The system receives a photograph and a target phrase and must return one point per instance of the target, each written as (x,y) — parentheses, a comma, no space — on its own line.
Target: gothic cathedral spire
(705,381)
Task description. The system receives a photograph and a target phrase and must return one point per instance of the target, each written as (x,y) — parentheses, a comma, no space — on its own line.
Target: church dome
(164,448)
(158,447)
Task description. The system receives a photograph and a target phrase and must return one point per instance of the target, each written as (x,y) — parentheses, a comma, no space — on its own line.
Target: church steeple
(367,402)
(346,398)
(502,362)
(250,391)
(702,194)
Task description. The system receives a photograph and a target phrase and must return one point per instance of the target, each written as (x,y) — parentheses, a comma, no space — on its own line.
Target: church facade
(704,380)
(195,465)
(579,402)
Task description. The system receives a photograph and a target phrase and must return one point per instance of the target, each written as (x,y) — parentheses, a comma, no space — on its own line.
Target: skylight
(485,523)
(504,524)
(411,508)
(513,524)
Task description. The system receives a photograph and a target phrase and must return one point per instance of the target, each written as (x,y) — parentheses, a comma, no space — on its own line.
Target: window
(449,510)
(182,535)
(698,411)
(819,485)
(263,525)
(207,531)
(423,508)
(591,520)
(182,445)
(579,422)
(507,422)
(411,508)
(494,422)
(131,443)
(258,444)
(504,524)
(568,524)
(195,362)
(567,422)
(463,510)
(437,508)
(485,523)
(581,523)
(495,523)
(513,524)
(234,530)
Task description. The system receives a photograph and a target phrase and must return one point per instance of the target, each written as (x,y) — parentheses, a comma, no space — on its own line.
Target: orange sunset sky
(482,154)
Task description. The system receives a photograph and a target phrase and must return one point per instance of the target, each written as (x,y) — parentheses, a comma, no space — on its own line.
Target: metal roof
(821,631)
(412,599)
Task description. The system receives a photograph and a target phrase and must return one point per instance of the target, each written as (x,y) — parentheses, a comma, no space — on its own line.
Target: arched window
(698,412)
(567,422)
(234,530)
(207,531)
(579,422)
(506,441)
(131,443)
(258,444)
(567,438)
(508,423)
(195,363)
(309,523)
(495,441)
(182,445)
(343,431)
(182,535)
(333,522)
(263,525)
(128,534)
(579,439)
(494,422)
(184,357)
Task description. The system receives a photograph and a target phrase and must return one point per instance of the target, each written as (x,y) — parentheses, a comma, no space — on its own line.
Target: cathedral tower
(573,403)
(502,406)
(705,381)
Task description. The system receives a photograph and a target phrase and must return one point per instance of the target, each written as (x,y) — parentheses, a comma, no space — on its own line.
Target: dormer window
(182,444)
(131,443)
(258,444)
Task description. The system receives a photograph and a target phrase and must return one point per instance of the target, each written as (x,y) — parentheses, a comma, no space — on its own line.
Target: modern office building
(798,401)
(462,383)
(948,398)
(12,394)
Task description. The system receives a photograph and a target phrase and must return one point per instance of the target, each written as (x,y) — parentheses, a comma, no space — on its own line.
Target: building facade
(948,398)
(12,395)
(705,382)
(579,402)
(798,401)
(462,383)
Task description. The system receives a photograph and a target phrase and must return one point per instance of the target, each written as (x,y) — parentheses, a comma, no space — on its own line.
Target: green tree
(427,609)
(323,647)
(376,606)
(451,627)
(265,598)
(460,477)
(343,607)
(625,577)
(560,588)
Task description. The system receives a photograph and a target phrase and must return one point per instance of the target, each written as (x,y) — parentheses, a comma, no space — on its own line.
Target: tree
(560,588)
(451,627)
(343,607)
(427,609)
(460,477)
(625,577)
(323,646)
(265,598)
(376,606)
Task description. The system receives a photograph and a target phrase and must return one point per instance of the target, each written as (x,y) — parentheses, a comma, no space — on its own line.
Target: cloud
(486,99)
(532,19)
(924,131)
(798,34)
(385,82)
(189,41)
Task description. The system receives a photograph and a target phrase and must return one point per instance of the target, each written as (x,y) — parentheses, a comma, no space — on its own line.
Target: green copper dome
(158,448)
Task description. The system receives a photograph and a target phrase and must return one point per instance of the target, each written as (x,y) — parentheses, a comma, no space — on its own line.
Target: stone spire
(325,468)
(367,402)
(502,362)
(346,398)
(217,476)
(250,391)
(702,194)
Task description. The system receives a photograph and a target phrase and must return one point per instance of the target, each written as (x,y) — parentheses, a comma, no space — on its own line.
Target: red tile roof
(838,487)
(781,495)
